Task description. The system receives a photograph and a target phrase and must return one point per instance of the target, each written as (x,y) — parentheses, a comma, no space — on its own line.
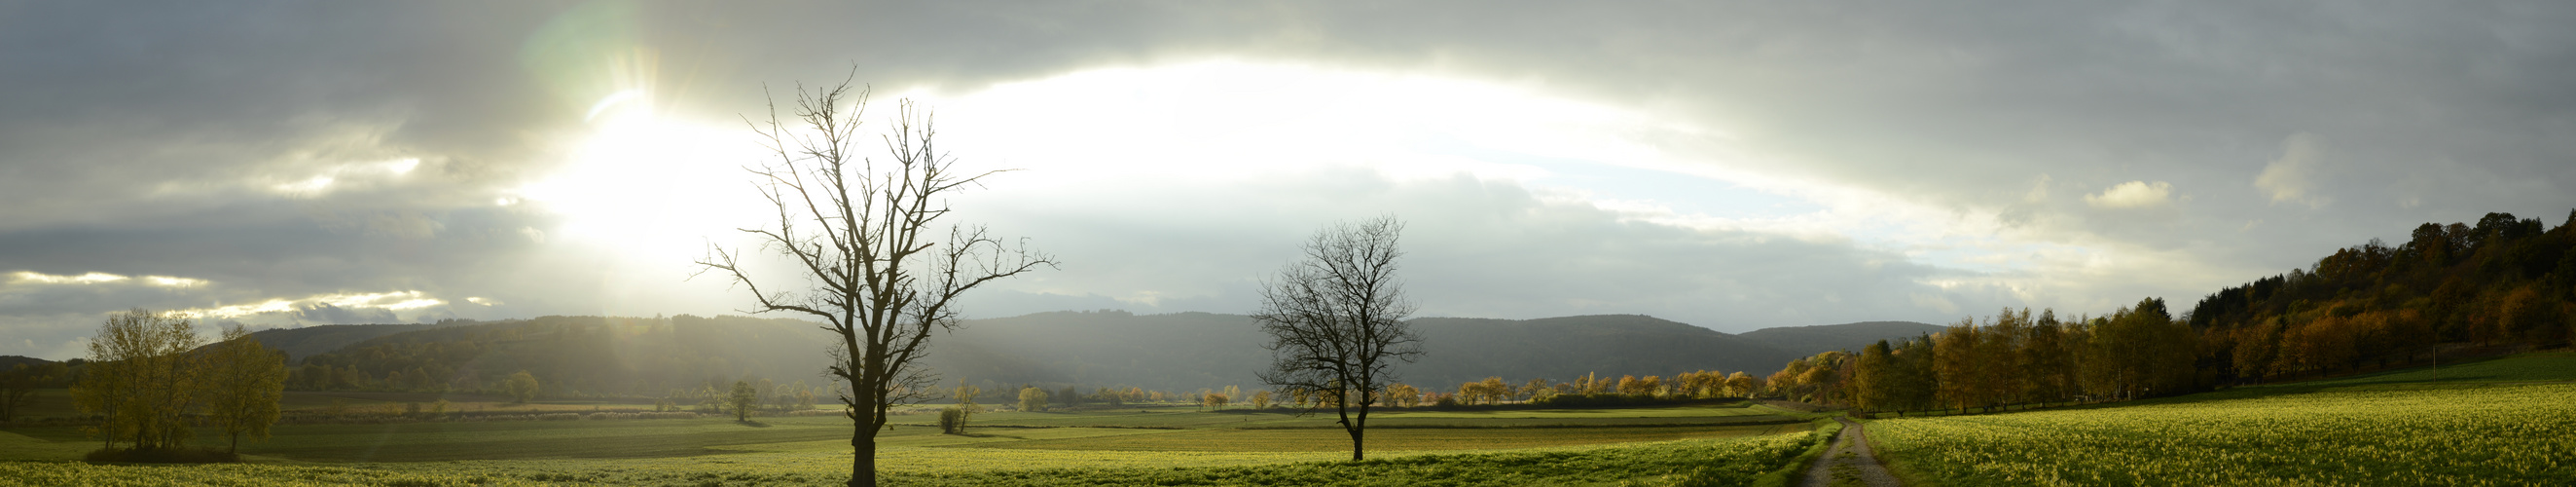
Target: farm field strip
(1714,461)
(15,446)
(512,439)
(1653,412)
(1320,440)
(1400,419)
(2529,367)
(1085,430)
(2499,435)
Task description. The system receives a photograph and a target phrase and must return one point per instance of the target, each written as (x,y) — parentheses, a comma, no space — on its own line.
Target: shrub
(952,421)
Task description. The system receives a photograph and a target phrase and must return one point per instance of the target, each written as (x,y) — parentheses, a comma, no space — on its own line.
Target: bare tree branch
(863,238)
(1336,321)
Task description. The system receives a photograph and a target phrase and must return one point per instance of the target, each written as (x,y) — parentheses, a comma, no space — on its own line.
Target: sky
(1732,165)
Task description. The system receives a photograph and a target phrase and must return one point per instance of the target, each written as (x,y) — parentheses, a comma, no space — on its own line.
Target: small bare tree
(863,235)
(1336,321)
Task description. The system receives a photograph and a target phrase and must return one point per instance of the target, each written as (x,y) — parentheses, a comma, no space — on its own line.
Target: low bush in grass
(952,421)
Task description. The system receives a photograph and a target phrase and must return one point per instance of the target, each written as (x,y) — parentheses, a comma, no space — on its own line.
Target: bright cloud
(2293,176)
(2133,194)
(392,301)
(28,277)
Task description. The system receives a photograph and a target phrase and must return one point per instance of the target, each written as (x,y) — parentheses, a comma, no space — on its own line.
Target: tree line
(570,356)
(153,380)
(19,383)
(2501,286)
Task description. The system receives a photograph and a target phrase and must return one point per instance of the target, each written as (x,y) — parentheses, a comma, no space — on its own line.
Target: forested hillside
(2451,292)
(2504,281)
(573,355)
(8,361)
(1559,349)
(313,340)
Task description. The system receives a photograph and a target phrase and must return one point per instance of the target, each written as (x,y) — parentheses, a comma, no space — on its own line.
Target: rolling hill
(1177,351)
(1811,340)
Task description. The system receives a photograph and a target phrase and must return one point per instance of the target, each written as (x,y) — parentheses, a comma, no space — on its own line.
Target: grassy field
(1184,417)
(1147,444)
(54,403)
(2529,367)
(1713,462)
(1397,439)
(437,441)
(46,403)
(2365,432)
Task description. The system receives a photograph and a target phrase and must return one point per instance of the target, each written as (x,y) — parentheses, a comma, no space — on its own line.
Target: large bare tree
(864,235)
(1336,321)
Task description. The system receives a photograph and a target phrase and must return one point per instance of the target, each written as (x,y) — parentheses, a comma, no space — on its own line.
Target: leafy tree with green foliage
(803,394)
(1213,400)
(1874,378)
(142,378)
(767,395)
(952,421)
(743,400)
(1033,398)
(243,381)
(522,387)
(965,409)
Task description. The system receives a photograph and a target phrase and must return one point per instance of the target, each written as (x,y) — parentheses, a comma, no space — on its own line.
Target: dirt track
(1850,462)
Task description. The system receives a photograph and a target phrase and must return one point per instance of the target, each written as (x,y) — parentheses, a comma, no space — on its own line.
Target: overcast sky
(1733,166)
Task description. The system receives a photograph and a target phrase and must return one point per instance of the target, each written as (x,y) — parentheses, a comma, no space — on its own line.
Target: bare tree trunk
(863,458)
(1335,317)
(866,239)
(1359,429)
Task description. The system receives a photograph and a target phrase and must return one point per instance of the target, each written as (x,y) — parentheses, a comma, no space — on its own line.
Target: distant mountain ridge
(1176,351)
(8,361)
(315,340)
(1811,340)
(1192,350)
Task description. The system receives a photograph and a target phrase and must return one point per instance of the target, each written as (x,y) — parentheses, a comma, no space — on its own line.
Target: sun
(643,182)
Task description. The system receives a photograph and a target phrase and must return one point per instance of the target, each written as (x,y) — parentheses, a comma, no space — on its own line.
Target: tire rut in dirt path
(1849,463)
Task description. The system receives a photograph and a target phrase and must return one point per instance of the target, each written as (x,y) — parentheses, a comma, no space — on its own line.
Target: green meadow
(2504,422)
(1723,444)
